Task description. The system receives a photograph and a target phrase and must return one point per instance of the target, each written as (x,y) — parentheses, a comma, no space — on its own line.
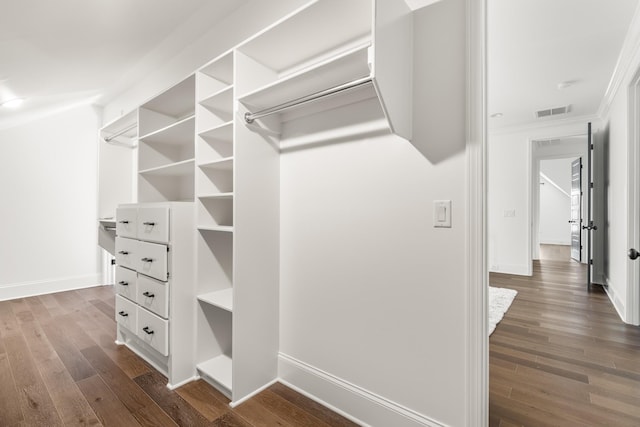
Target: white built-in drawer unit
(126,313)
(126,282)
(155,252)
(153,295)
(153,330)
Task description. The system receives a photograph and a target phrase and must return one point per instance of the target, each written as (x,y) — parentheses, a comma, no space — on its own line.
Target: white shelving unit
(362,59)
(197,145)
(166,152)
(215,221)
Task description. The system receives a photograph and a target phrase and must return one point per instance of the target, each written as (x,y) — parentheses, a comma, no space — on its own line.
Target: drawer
(126,313)
(126,282)
(153,295)
(153,224)
(126,252)
(126,222)
(152,260)
(153,330)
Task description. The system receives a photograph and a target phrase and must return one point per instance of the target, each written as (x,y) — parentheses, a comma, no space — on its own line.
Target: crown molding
(629,55)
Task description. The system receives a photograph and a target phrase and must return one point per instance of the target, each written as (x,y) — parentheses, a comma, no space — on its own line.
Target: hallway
(561,355)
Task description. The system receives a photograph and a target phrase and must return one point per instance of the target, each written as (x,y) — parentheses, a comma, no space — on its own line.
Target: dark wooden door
(576,209)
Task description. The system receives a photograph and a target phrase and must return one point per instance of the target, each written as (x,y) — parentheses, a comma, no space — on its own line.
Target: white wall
(555,202)
(510,161)
(614,235)
(48,193)
(371,293)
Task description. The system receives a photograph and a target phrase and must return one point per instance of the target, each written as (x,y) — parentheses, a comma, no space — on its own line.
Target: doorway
(556,207)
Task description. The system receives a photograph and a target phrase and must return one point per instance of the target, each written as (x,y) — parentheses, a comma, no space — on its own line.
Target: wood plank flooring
(561,356)
(59,366)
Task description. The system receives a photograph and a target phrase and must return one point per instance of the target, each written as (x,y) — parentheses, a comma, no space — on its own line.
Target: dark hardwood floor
(59,366)
(561,356)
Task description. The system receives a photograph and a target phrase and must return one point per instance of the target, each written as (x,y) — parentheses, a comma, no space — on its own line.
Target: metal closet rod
(250,117)
(120,132)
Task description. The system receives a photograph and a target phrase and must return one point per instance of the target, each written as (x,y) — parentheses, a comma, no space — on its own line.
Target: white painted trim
(594,119)
(630,48)
(613,297)
(356,403)
(477,276)
(171,386)
(516,269)
(41,287)
(632,314)
(253,393)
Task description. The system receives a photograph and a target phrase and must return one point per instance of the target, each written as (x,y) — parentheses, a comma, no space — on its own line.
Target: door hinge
(113,261)
(591,185)
(167,275)
(591,146)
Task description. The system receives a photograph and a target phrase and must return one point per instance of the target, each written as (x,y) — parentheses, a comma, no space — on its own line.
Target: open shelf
(177,102)
(218,369)
(216,196)
(220,164)
(220,68)
(222,299)
(221,132)
(221,228)
(349,66)
(221,100)
(305,36)
(182,168)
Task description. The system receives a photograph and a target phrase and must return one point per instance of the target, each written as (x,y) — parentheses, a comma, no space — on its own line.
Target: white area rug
(500,300)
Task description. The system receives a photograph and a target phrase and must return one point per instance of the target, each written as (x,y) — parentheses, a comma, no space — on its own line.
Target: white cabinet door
(152,260)
(153,224)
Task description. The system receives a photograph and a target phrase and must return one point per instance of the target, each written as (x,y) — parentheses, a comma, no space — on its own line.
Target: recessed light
(13,103)
(496,115)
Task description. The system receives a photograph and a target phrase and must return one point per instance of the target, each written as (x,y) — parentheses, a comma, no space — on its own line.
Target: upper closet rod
(120,132)
(250,117)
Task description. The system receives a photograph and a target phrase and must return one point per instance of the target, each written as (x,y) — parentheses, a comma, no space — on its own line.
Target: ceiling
(533,45)
(66,52)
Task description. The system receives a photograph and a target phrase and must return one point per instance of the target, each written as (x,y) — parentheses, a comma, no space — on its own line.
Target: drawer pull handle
(123,252)
(148,294)
(147,330)
(149,223)
(146,259)
(123,222)
(123,283)
(123,313)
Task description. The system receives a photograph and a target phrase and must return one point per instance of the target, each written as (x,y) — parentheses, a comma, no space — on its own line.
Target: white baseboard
(613,297)
(41,287)
(349,400)
(253,393)
(519,270)
(554,242)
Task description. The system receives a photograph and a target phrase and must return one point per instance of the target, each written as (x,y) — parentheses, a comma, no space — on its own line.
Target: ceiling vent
(556,111)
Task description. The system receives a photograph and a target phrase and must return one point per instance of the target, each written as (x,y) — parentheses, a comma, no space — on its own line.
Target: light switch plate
(442,213)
